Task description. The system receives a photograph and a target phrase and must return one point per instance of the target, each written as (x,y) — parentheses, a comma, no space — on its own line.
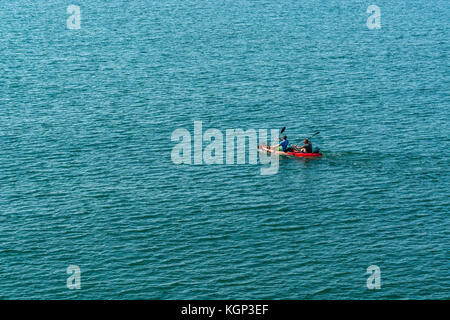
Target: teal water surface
(86,176)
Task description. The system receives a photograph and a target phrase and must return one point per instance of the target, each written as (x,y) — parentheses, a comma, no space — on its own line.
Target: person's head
(285,138)
(306,141)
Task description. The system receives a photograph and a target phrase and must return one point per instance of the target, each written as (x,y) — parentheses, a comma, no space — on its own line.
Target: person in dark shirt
(307,146)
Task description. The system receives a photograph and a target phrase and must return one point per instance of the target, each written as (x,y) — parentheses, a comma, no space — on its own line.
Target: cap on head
(284,138)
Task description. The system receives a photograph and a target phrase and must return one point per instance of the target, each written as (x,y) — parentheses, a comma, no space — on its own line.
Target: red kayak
(292,154)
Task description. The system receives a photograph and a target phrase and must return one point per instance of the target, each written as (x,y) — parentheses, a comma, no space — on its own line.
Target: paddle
(315,134)
(282,130)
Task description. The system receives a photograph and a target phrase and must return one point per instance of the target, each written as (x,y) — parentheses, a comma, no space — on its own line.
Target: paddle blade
(282,130)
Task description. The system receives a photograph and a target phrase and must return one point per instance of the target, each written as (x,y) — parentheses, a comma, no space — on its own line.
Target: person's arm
(275,146)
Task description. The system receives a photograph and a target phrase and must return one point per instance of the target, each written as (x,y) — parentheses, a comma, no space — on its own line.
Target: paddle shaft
(315,134)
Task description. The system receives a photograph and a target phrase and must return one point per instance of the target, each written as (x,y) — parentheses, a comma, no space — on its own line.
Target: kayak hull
(290,154)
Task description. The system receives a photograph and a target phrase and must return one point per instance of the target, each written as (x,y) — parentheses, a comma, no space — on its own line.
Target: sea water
(88,107)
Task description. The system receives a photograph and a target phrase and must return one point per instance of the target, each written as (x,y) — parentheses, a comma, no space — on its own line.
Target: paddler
(284,144)
(306,148)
